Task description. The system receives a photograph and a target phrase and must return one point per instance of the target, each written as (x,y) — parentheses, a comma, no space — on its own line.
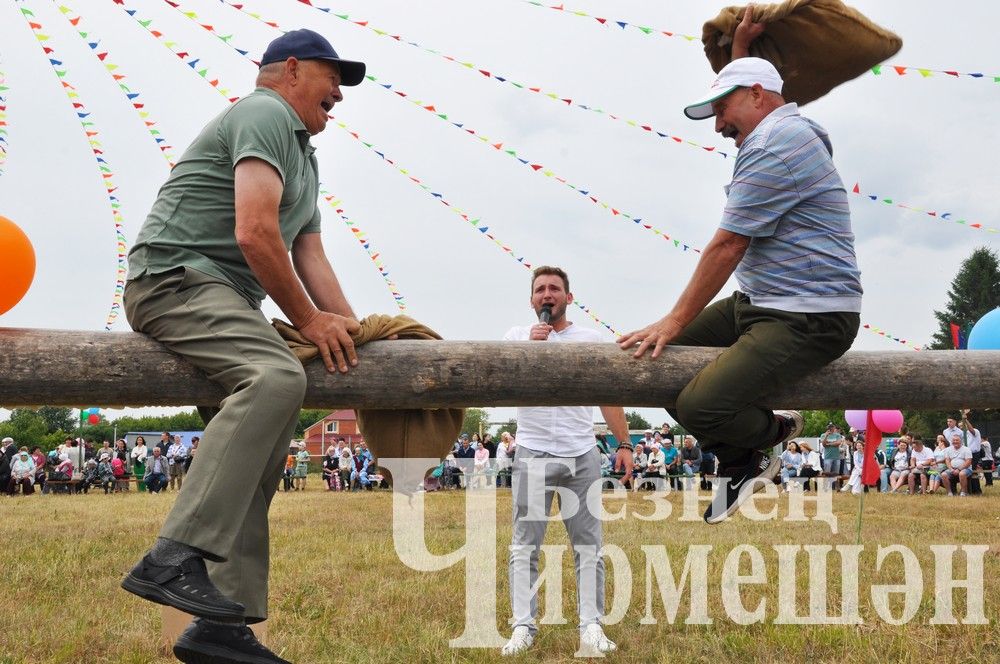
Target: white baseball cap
(740,73)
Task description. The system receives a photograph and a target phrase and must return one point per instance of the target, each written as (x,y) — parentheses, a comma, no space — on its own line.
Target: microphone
(545,314)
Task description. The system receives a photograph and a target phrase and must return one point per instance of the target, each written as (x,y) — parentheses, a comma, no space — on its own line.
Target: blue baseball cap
(304,44)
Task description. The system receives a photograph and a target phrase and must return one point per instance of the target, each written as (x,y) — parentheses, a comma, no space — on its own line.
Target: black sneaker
(205,642)
(740,482)
(185,587)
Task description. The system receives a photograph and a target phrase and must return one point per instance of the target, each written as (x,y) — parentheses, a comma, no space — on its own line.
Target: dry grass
(340,594)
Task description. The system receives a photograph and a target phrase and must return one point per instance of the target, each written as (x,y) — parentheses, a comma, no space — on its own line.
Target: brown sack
(393,434)
(815,44)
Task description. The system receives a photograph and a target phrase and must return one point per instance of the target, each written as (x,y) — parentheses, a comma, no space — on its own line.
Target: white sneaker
(520,640)
(593,638)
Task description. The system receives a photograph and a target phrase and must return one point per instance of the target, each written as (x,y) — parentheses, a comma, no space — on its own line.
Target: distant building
(338,424)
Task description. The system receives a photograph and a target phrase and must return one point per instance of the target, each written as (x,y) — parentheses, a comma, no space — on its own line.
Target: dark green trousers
(223,506)
(765,348)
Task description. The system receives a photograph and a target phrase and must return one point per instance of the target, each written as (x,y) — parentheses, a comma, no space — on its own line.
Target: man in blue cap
(216,242)
(786,235)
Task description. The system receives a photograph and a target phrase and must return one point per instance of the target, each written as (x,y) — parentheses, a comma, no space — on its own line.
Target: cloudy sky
(928,142)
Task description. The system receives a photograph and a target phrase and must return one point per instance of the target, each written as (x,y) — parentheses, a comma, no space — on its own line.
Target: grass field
(340,594)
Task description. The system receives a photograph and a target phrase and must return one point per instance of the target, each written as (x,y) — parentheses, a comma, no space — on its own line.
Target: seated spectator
(900,466)
(452,475)
(345,466)
(119,472)
(854,481)
(934,474)
(330,465)
(40,462)
(156,472)
(791,461)
(958,462)
(639,460)
(481,464)
(883,469)
(89,475)
(812,464)
(359,471)
(656,467)
(465,457)
(7,453)
(921,463)
(690,457)
(105,474)
(22,473)
(63,470)
(671,458)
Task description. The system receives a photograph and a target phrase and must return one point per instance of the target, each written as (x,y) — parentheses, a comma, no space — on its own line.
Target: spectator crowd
(959,461)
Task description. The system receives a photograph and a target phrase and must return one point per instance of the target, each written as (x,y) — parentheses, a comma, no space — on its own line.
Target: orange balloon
(17,264)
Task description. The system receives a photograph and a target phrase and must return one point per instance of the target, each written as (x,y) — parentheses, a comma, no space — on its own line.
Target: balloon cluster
(92,415)
(886,421)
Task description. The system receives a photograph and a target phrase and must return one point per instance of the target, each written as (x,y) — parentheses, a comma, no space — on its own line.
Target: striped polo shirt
(787,196)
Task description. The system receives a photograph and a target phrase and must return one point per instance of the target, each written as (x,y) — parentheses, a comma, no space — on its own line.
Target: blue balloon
(985,334)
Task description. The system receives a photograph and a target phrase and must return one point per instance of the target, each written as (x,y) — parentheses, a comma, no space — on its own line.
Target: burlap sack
(393,434)
(815,44)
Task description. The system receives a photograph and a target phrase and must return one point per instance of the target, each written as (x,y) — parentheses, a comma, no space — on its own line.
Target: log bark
(116,369)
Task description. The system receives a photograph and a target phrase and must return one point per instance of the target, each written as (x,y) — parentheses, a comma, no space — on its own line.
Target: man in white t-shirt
(921,460)
(556,448)
(958,462)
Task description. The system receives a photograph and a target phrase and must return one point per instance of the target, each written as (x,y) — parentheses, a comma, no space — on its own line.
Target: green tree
(510,426)
(815,421)
(57,418)
(25,426)
(307,418)
(476,421)
(636,421)
(974,292)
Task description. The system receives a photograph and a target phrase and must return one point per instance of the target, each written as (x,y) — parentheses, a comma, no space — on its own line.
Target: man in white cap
(786,234)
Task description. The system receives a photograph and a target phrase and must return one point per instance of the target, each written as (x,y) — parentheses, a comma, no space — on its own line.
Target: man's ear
(569,298)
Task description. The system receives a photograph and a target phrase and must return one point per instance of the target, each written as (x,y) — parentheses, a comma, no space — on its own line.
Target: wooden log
(76,368)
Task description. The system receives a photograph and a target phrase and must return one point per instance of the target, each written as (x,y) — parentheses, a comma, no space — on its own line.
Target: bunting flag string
(476,222)
(891,337)
(496,145)
(103,165)
(943,216)
(562,100)
(3,119)
(115,72)
(616,24)
(901,70)
(366,243)
(500,146)
(194,63)
(877,70)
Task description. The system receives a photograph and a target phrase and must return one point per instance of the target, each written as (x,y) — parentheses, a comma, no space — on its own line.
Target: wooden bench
(72,485)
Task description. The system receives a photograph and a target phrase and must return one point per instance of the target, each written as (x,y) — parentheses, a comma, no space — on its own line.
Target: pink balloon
(888,421)
(857,419)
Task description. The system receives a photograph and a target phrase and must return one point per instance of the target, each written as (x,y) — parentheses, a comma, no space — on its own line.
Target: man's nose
(719,125)
(336,94)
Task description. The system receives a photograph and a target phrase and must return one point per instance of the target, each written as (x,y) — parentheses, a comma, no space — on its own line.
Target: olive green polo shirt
(193,221)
